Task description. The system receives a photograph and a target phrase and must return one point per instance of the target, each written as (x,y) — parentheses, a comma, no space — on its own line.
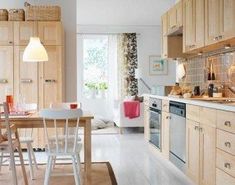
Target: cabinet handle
(50,81)
(10,42)
(3,81)
(26,80)
(196,128)
(227,123)
(227,165)
(220,37)
(168,117)
(227,144)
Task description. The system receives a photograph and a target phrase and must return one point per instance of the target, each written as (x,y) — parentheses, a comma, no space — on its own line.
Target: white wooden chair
(64,143)
(11,143)
(27,139)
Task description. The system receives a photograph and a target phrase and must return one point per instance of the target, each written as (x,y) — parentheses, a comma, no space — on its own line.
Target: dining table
(35,121)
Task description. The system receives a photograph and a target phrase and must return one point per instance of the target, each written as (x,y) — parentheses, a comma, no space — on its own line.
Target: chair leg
(13,168)
(1,161)
(75,171)
(33,154)
(48,170)
(30,162)
(22,166)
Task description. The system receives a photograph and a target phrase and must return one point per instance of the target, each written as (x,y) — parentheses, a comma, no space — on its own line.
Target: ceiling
(121,12)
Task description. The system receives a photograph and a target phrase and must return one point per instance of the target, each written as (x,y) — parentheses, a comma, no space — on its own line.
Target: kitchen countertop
(192,101)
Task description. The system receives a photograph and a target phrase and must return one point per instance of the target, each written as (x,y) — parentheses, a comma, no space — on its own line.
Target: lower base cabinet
(200,152)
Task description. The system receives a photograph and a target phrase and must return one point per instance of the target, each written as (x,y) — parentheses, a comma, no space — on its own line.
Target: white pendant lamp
(35,51)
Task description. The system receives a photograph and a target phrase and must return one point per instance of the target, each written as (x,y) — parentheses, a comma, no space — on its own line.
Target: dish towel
(131,109)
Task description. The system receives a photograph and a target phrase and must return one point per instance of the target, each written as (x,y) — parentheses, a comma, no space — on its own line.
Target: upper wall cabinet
(23,31)
(172,46)
(175,17)
(227,19)
(50,33)
(6,33)
(193,30)
(220,24)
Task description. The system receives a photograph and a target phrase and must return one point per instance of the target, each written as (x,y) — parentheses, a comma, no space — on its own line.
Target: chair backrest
(61,141)
(5,126)
(65,105)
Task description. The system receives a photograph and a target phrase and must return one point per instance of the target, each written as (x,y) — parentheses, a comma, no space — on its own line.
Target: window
(95,66)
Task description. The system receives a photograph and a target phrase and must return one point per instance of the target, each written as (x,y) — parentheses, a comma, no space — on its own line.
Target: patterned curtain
(127,63)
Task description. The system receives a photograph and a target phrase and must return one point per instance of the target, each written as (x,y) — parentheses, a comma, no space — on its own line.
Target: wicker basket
(16,15)
(3,15)
(42,13)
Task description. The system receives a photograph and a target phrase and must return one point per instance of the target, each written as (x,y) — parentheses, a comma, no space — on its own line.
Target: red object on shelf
(131,109)
(73,106)
(10,102)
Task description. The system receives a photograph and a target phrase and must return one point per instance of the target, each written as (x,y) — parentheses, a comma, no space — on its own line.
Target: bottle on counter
(210,90)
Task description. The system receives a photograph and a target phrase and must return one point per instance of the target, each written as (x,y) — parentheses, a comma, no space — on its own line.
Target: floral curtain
(127,63)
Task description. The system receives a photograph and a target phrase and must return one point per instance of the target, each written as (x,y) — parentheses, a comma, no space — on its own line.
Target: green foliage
(96,86)
(102,86)
(91,85)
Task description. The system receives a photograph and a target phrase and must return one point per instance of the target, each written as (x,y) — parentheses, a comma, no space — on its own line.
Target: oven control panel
(155,103)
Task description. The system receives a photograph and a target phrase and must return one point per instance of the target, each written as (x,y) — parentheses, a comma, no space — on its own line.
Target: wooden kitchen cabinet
(175,17)
(51,77)
(6,33)
(165,134)
(227,17)
(25,77)
(207,154)
(146,118)
(23,30)
(192,150)
(201,148)
(193,30)
(50,33)
(172,45)
(6,71)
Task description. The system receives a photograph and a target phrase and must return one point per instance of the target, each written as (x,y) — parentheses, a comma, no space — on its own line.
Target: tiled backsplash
(197,70)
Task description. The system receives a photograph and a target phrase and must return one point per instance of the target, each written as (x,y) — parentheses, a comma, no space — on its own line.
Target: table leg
(87,149)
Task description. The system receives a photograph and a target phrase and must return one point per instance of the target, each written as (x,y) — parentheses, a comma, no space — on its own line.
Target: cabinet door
(164,35)
(25,77)
(51,77)
(6,33)
(179,13)
(192,150)
(227,17)
(6,71)
(189,25)
(165,134)
(207,154)
(23,31)
(199,23)
(212,21)
(172,19)
(50,33)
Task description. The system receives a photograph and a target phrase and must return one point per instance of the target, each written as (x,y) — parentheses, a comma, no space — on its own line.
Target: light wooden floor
(133,162)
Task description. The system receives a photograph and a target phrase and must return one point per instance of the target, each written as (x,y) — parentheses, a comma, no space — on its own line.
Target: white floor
(133,162)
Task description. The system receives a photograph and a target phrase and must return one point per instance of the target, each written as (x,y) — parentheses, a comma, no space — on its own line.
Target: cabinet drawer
(193,112)
(165,105)
(208,116)
(226,141)
(223,178)
(226,121)
(225,162)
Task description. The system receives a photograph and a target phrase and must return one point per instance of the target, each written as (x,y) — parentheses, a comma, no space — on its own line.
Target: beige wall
(69,22)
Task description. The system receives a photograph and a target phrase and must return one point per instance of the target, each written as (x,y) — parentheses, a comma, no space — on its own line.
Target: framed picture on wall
(157,65)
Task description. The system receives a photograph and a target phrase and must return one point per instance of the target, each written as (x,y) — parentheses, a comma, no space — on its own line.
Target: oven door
(155,127)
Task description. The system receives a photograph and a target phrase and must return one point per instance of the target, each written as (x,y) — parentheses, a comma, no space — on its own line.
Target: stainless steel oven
(155,122)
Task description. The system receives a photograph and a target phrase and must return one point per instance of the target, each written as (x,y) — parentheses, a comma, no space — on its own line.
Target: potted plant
(92,87)
(102,87)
